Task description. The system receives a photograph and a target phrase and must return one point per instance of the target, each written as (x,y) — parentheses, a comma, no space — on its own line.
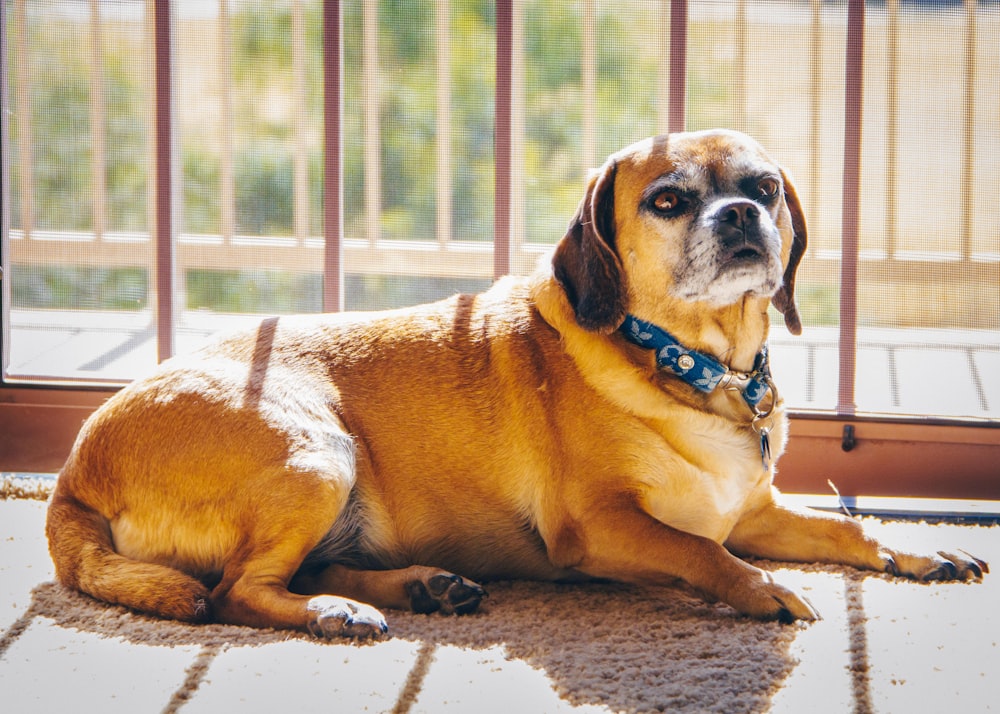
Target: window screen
(901,307)
(77,261)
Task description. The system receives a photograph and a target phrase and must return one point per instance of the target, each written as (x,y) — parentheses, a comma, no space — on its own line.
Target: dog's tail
(82,549)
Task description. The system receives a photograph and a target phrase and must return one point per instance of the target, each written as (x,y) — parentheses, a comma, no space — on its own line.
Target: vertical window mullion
(516,225)
(227,181)
(815,108)
(589,73)
(300,159)
(98,125)
(333,196)
(853,114)
(163,230)
(443,157)
(5,196)
(372,115)
(891,129)
(503,139)
(25,129)
(678,65)
(969,130)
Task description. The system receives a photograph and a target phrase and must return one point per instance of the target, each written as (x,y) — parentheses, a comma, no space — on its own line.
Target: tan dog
(303,474)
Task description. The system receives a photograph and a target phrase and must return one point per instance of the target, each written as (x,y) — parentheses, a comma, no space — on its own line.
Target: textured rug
(547,647)
(626,649)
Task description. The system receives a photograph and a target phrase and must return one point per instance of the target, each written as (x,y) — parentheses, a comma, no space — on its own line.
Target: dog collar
(701,371)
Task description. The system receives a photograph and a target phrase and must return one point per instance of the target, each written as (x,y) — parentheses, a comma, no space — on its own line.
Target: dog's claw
(806,611)
(941,567)
(889,564)
(761,597)
(964,566)
(978,566)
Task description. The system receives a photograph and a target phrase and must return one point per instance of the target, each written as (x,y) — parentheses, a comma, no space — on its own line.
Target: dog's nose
(738,227)
(737,223)
(738,214)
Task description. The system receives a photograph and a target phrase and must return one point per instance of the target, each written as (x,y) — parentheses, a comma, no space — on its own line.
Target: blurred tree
(60,118)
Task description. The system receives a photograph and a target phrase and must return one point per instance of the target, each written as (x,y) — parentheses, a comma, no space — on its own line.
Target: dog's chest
(702,476)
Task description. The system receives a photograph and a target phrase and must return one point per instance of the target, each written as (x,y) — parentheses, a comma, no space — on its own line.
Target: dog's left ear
(784,299)
(585,262)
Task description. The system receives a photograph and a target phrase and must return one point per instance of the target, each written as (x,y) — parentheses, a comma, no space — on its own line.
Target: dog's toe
(446,593)
(339,617)
(942,566)
(758,595)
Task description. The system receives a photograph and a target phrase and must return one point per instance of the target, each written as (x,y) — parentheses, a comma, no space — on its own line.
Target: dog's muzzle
(738,227)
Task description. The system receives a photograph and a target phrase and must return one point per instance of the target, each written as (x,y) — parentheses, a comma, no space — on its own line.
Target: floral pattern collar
(701,371)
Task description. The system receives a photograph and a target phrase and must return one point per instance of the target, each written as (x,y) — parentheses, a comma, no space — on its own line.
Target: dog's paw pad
(446,593)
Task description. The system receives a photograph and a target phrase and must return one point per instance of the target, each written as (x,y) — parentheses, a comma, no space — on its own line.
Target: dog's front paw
(339,617)
(943,566)
(758,595)
(444,592)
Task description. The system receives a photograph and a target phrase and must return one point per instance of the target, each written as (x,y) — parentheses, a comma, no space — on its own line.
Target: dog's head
(702,217)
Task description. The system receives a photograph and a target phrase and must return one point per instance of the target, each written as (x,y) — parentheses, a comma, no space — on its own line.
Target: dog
(612,416)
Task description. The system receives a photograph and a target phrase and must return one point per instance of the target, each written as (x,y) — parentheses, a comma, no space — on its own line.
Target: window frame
(884,457)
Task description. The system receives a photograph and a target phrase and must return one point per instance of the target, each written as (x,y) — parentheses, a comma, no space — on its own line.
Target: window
(177,168)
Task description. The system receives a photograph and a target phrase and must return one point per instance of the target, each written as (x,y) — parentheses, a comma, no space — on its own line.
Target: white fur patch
(704,275)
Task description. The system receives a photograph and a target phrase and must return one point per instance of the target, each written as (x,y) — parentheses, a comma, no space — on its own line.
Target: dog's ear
(784,299)
(585,262)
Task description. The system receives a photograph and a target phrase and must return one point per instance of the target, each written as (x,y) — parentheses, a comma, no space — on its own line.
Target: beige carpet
(883,645)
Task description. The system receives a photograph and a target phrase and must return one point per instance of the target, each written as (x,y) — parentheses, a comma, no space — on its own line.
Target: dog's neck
(611,370)
(698,369)
(733,334)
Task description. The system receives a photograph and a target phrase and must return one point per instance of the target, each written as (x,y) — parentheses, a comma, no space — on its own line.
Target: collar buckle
(735,381)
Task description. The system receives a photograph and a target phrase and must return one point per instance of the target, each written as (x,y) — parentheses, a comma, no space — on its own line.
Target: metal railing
(671,100)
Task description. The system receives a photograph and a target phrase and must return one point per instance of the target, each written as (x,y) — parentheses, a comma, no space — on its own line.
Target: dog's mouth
(747,253)
(743,252)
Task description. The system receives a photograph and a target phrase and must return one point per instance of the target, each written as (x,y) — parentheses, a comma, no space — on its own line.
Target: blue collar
(700,370)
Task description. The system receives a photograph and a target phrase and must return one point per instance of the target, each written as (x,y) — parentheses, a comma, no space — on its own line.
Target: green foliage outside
(61,128)
(249,291)
(66,288)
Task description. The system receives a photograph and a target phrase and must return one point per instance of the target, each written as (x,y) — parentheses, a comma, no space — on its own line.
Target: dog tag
(765,447)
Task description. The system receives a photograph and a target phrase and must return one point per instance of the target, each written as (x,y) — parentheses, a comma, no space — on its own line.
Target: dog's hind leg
(418,588)
(254,586)
(255,592)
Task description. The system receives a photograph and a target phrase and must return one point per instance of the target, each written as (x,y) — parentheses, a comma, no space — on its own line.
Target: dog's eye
(666,201)
(768,187)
